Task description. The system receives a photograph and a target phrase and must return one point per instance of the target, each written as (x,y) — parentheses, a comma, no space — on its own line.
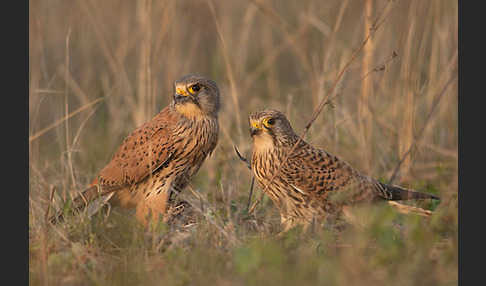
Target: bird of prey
(159,158)
(311,183)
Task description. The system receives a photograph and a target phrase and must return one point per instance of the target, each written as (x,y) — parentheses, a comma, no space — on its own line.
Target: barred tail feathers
(81,201)
(396,193)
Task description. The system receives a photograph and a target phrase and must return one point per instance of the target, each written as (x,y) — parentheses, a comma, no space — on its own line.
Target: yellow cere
(256,124)
(180,90)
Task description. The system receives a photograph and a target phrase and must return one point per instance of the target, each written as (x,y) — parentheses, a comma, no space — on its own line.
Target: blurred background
(99,69)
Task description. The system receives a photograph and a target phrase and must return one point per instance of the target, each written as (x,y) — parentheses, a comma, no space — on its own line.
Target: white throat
(262,142)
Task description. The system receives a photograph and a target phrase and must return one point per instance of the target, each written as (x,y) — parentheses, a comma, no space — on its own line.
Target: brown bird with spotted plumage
(311,183)
(160,157)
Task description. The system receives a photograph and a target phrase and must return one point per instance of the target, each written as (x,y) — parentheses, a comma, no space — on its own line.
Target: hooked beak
(255,129)
(182,96)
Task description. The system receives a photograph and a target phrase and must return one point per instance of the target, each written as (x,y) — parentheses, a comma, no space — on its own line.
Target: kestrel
(311,183)
(159,158)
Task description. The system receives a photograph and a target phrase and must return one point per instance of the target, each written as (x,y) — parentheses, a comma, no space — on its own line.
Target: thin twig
(381,67)
(246,161)
(405,209)
(251,193)
(66,109)
(242,158)
(51,196)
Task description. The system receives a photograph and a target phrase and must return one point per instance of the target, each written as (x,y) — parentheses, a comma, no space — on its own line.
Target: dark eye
(194,88)
(271,121)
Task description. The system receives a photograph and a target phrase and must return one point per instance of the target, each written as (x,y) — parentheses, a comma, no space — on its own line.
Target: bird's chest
(194,143)
(265,166)
(291,201)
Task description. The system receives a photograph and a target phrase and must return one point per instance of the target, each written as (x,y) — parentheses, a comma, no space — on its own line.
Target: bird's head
(196,96)
(270,127)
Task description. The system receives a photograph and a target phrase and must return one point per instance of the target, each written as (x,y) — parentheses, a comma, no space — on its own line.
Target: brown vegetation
(98,69)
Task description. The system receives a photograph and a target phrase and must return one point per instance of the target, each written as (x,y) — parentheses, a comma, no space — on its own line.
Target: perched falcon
(160,157)
(311,183)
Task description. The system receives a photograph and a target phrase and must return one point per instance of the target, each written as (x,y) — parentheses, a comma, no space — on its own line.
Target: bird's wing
(145,150)
(319,174)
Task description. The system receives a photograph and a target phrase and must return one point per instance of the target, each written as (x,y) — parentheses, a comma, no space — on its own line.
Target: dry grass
(98,69)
